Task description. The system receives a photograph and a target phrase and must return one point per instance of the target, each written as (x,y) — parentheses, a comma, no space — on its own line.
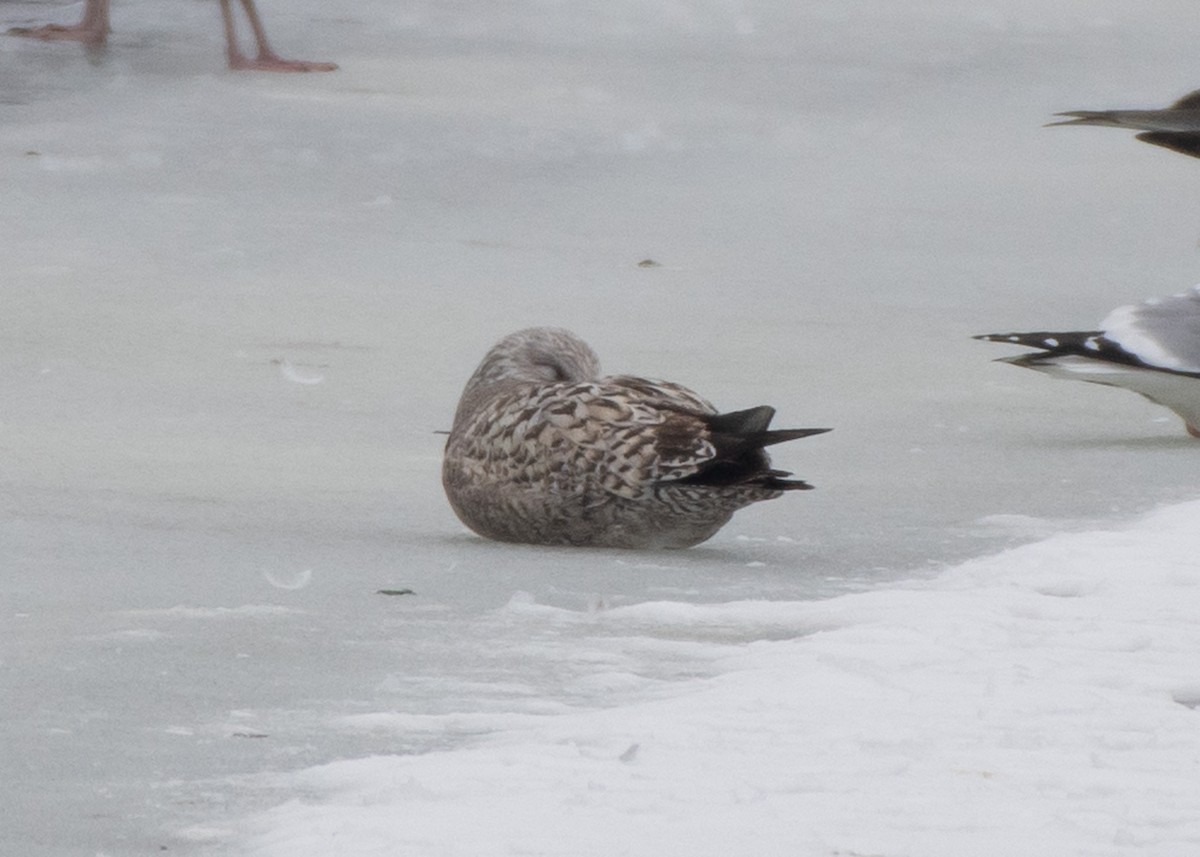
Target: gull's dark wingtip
(774,436)
(1183,142)
(777,480)
(1105,118)
(1011,338)
(790,485)
(1077,117)
(796,434)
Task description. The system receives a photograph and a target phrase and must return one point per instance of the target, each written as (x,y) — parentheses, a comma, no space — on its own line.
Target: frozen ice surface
(1038,702)
(195,534)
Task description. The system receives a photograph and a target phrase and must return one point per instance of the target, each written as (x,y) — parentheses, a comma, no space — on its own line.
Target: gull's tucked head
(535,355)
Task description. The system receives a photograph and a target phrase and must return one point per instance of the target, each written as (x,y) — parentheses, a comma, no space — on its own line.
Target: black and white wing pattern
(1151,348)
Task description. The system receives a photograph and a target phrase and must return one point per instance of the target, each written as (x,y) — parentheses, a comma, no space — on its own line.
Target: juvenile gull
(1176,127)
(545,451)
(1152,348)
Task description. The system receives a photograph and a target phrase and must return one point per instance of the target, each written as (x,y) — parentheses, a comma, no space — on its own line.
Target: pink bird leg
(93,29)
(267,59)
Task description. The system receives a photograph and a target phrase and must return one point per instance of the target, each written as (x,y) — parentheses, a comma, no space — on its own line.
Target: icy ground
(237,307)
(1041,702)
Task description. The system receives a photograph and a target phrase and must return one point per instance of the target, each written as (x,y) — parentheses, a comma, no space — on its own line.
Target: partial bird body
(1151,348)
(545,452)
(93,29)
(1176,127)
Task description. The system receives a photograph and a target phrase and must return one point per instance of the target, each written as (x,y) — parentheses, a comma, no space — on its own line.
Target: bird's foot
(87,34)
(273,62)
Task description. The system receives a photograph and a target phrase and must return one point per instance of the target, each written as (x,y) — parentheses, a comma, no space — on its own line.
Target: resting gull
(1152,348)
(1176,127)
(544,451)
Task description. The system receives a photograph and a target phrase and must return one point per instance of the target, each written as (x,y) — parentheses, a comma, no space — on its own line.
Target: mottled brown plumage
(544,451)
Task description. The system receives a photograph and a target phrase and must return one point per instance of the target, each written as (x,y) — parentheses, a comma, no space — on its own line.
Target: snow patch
(1053,683)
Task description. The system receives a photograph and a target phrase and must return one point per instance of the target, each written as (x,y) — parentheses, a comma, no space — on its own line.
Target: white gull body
(545,451)
(1151,348)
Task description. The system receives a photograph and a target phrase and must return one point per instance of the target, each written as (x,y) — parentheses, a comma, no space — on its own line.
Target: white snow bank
(1038,702)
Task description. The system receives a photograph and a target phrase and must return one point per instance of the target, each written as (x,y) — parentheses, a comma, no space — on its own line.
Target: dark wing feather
(738,439)
(1085,343)
(1087,117)
(1191,101)
(751,428)
(1184,142)
(748,421)
(1088,343)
